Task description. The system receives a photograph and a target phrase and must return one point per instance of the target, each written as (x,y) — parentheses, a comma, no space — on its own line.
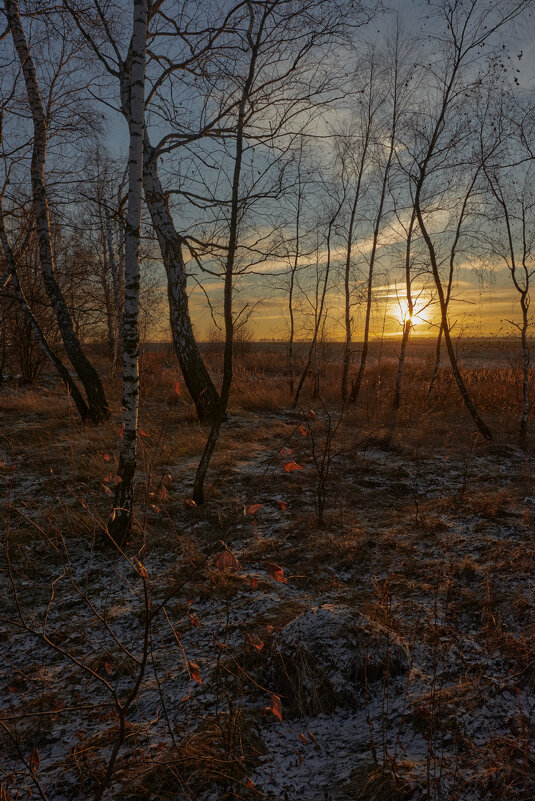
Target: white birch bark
(122,512)
(118,354)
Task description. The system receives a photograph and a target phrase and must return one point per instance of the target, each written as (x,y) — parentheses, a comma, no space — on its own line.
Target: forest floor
(350,615)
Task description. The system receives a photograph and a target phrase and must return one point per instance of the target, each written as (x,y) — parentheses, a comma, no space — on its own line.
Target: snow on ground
(436,551)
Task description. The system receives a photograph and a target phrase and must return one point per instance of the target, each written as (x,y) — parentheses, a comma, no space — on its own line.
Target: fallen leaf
(143,432)
(303,738)
(226,559)
(275,707)
(255,641)
(107,457)
(283,505)
(177,388)
(276,572)
(285,451)
(194,620)
(253,509)
(142,570)
(195,672)
(254,582)
(248,783)
(108,668)
(190,502)
(304,431)
(291,466)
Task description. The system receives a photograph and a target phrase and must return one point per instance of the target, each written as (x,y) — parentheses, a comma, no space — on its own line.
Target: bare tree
(516,211)
(397,76)
(122,511)
(96,399)
(469,27)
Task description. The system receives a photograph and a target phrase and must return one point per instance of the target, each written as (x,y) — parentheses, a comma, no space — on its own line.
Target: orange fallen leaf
(190,502)
(249,783)
(107,457)
(194,620)
(253,509)
(108,668)
(275,707)
(254,582)
(255,641)
(195,672)
(276,572)
(304,431)
(312,738)
(117,480)
(177,388)
(226,559)
(143,432)
(282,505)
(142,570)
(291,466)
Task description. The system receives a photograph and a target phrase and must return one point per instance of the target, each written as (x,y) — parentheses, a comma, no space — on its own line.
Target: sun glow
(421,311)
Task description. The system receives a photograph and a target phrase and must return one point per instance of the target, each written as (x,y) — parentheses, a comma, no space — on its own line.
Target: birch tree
(469,26)
(120,521)
(96,399)
(514,202)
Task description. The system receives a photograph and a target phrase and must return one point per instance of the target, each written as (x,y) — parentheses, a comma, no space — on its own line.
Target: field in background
(351,615)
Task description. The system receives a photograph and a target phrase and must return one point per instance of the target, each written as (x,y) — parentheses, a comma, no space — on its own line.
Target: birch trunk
(407,323)
(235,206)
(98,407)
(525,370)
(483,428)
(319,312)
(116,284)
(120,521)
(196,376)
(356,385)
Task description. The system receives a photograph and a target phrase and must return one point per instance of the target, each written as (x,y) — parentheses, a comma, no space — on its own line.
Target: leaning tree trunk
(196,376)
(483,428)
(525,370)
(98,407)
(407,323)
(12,275)
(120,521)
(319,317)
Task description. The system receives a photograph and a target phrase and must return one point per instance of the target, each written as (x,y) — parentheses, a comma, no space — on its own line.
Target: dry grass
(428,531)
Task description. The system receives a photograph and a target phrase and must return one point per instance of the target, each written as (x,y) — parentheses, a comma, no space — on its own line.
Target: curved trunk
(64,374)
(98,407)
(408,322)
(196,376)
(483,428)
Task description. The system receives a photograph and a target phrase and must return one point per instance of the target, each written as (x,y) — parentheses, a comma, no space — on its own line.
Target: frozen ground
(433,553)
